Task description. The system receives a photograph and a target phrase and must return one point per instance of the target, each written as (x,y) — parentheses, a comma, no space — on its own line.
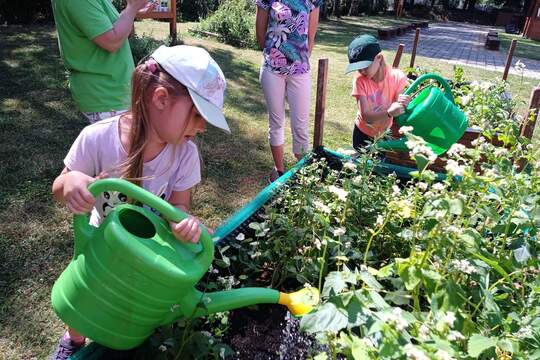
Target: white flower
(438,186)
(339,231)
(256,254)
(322,207)
(449,318)
(456,149)
(414,353)
(455,335)
(478,141)
(454,168)
(357,180)
(395,190)
(463,266)
(418,146)
(396,317)
(317,244)
(240,237)
(350,166)
(422,186)
(500,151)
(423,332)
(443,355)
(485,86)
(466,99)
(162,348)
(380,220)
(346,151)
(519,66)
(339,192)
(405,129)
(524,332)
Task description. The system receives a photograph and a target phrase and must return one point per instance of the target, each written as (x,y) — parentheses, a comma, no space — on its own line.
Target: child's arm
(189,228)
(71,188)
(371,117)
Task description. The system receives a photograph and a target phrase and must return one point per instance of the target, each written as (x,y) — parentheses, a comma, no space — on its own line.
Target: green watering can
(131,275)
(433,115)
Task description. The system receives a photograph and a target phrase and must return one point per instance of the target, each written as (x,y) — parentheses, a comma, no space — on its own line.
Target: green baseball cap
(362,51)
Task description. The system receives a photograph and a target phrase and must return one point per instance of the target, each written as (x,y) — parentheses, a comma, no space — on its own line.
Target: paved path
(463,44)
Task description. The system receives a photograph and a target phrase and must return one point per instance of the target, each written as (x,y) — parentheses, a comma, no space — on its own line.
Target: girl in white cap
(174,93)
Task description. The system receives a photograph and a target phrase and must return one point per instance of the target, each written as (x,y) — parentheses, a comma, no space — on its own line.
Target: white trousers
(298,91)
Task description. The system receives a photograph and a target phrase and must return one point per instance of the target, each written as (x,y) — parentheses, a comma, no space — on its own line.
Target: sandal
(274,175)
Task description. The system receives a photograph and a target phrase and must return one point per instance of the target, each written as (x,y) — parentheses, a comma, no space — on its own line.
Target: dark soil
(268,333)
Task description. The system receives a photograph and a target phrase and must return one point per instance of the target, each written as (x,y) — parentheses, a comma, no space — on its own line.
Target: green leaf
(328,317)
(522,254)
(455,206)
(336,281)
(478,344)
(410,274)
(358,350)
(398,297)
(377,300)
(370,280)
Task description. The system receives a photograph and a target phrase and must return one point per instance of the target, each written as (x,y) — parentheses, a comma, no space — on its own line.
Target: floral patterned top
(286,49)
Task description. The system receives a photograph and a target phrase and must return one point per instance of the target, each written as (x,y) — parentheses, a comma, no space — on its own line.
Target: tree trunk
(337,8)
(355,8)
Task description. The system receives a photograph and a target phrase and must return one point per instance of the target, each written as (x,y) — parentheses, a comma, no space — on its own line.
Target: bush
(26,11)
(144,45)
(196,9)
(234,21)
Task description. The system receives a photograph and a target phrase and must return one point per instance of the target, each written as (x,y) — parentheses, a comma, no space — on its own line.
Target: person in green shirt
(92,37)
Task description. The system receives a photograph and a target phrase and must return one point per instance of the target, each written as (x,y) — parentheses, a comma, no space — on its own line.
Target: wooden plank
(320,105)
(509,59)
(527,128)
(155,15)
(172,23)
(397,58)
(415,45)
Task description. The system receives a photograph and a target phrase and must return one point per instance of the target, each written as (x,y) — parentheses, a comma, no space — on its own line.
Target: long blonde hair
(147,76)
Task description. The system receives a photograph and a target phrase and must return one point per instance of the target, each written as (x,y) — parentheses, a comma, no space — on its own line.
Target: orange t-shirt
(379,96)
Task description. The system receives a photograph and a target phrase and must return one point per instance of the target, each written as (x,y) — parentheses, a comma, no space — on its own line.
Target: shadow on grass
(38,123)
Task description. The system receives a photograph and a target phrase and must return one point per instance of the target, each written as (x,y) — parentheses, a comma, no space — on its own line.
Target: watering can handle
(431,76)
(166,209)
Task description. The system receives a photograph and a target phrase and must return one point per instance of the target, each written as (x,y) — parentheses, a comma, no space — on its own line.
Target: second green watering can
(131,275)
(433,115)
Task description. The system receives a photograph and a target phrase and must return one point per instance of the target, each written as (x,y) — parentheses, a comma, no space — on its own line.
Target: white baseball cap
(194,68)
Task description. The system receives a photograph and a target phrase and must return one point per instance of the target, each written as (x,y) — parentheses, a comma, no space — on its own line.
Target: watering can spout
(393,145)
(83,232)
(298,303)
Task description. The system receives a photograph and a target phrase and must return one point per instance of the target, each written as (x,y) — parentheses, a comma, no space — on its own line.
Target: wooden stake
(527,129)
(509,59)
(172,23)
(415,44)
(397,58)
(320,105)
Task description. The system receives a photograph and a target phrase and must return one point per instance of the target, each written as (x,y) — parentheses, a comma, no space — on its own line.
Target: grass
(526,48)
(39,121)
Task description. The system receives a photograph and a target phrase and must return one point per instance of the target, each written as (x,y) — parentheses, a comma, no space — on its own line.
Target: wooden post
(172,23)
(527,128)
(509,59)
(415,44)
(320,105)
(397,58)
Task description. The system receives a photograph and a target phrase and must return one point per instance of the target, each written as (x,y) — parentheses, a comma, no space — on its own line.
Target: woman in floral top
(286,33)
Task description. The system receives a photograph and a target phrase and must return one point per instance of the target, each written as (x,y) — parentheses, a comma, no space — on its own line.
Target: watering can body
(131,275)
(433,116)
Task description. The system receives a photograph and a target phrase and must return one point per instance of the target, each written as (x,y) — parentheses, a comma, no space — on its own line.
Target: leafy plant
(143,45)
(234,21)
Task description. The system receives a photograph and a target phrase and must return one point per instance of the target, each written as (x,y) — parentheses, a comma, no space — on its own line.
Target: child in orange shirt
(377,88)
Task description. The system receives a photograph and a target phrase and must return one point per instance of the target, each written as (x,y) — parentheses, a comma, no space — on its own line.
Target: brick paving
(462,44)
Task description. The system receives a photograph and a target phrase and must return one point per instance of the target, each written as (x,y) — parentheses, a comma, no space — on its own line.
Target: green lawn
(39,121)
(526,48)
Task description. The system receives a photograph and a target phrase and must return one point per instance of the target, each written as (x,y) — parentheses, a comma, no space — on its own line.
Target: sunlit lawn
(38,123)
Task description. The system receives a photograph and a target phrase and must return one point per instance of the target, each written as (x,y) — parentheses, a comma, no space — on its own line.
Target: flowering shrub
(416,270)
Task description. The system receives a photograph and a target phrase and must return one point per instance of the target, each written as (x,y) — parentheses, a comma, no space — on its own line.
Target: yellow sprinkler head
(300,302)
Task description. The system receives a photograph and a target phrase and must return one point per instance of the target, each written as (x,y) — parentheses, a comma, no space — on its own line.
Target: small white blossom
(322,207)
(339,192)
(414,353)
(478,141)
(465,99)
(423,332)
(317,244)
(500,151)
(405,129)
(524,332)
(396,317)
(339,231)
(455,335)
(380,220)
(449,318)
(456,149)
(348,152)
(395,190)
(422,186)
(463,266)
(454,168)
(443,355)
(418,146)
(350,166)
(437,187)
(240,237)
(162,348)
(519,66)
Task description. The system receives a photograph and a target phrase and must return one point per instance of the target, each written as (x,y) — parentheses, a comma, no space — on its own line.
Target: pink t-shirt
(98,149)
(379,96)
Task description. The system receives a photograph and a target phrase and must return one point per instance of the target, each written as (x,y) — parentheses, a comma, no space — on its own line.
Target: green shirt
(99,80)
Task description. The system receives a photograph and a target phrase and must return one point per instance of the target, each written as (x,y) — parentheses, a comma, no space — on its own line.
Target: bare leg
(277,154)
